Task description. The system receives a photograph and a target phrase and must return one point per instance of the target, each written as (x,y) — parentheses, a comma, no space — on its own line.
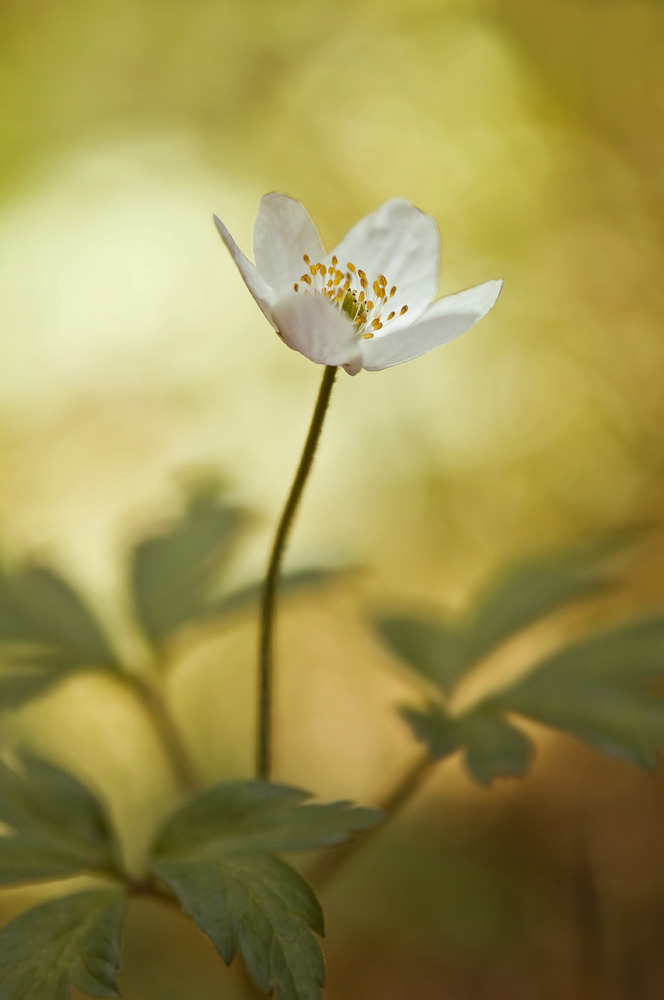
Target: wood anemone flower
(367,304)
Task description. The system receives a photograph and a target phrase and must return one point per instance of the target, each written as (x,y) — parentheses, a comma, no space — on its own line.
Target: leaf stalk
(178,755)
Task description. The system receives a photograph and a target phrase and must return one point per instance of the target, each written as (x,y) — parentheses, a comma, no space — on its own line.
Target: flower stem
(268,601)
(181,763)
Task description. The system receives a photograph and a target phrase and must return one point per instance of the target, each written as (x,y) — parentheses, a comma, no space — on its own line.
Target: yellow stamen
(336,287)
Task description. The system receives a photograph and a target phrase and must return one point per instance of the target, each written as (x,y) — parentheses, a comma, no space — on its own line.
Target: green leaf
(173,572)
(596,689)
(515,599)
(492,747)
(260,816)
(46,632)
(259,904)
(71,941)
(217,854)
(540,585)
(435,728)
(57,826)
(430,647)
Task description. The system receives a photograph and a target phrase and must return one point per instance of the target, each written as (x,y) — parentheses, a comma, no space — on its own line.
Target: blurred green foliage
(595,688)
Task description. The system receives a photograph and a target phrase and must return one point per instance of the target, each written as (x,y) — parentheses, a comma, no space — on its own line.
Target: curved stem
(268,601)
(181,763)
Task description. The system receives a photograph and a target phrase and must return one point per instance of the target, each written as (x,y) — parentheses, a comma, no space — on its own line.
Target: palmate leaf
(597,690)
(259,904)
(174,571)
(70,941)
(57,827)
(46,633)
(492,747)
(261,816)
(217,853)
(515,599)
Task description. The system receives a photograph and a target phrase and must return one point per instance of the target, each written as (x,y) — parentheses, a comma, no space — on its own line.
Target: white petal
(256,284)
(283,233)
(314,327)
(402,243)
(445,320)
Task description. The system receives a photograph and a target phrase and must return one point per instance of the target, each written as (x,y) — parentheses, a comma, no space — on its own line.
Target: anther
(370,305)
(362,274)
(393,290)
(305,277)
(334,261)
(367,336)
(306,259)
(351,268)
(404,309)
(391,316)
(361,296)
(296,287)
(383,280)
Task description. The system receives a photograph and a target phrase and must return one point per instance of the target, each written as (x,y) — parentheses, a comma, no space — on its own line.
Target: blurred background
(132,356)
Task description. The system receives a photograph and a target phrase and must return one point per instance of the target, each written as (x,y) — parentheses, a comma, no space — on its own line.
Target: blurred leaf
(260,816)
(596,689)
(249,596)
(431,648)
(259,904)
(58,827)
(527,591)
(215,853)
(516,598)
(173,572)
(46,632)
(492,747)
(71,941)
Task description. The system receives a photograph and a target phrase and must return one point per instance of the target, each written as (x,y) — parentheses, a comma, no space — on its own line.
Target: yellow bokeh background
(132,354)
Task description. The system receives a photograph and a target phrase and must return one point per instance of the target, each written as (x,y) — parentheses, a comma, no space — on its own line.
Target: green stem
(268,602)
(181,763)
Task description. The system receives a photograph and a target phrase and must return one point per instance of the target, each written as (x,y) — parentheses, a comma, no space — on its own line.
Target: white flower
(368,304)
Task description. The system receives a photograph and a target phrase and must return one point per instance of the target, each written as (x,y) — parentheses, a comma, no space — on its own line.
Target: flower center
(349,291)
